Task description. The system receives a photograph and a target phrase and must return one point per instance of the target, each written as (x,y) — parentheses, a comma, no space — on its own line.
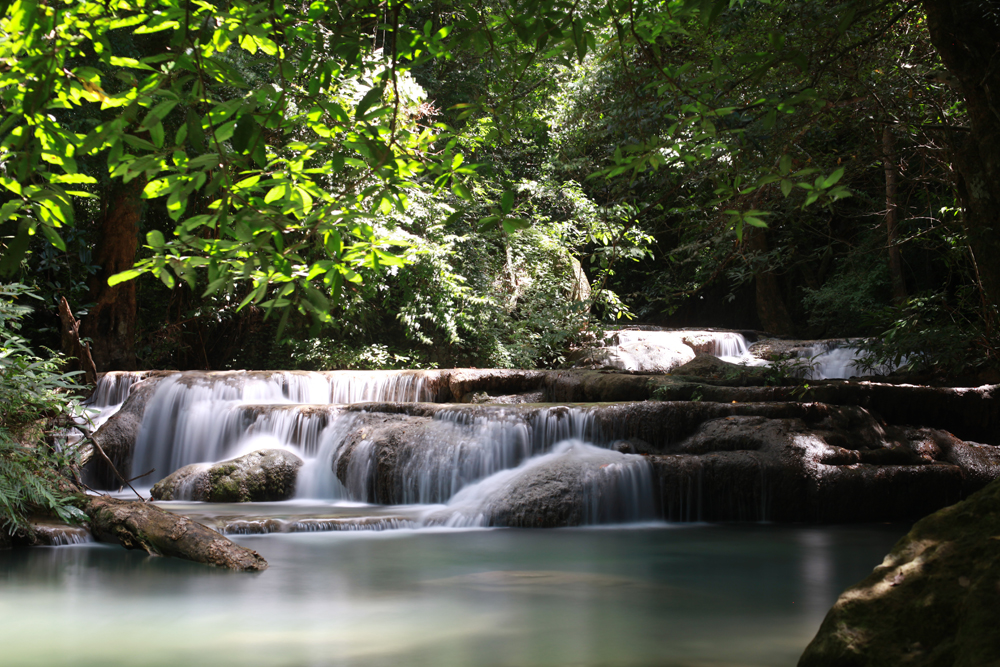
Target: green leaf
(511,225)
(507,201)
(155,239)
(124,276)
(833,178)
(371,97)
(785,164)
(461,191)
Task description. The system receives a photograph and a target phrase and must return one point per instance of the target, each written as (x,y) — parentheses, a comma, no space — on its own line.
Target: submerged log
(138,525)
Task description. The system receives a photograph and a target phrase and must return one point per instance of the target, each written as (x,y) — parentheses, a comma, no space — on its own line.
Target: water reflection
(666,595)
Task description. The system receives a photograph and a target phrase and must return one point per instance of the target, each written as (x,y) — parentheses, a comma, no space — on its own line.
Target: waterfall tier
(547,464)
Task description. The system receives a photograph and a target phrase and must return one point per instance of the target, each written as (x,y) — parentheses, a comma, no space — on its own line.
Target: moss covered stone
(934,600)
(261,476)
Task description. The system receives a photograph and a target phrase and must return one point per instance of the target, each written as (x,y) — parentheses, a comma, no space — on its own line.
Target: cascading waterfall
(198,419)
(456,448)
(604,486)
(651,350)
(458,456)
(830,361)
(836,360)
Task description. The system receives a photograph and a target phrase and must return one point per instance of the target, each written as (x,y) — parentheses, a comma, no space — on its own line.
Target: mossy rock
(934,600)
(262,476)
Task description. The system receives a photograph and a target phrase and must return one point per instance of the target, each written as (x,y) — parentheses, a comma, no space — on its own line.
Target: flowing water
(672,595)
(420,580)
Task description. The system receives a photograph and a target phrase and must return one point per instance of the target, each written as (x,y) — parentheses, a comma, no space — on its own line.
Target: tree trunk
(771,310)
(967,36)
(111,323)
(891,217)
(138,525)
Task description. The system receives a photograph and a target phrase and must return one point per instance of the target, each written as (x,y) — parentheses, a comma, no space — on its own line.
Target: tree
(967,35)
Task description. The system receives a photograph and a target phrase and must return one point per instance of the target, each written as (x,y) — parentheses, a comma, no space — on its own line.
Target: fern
(29,482)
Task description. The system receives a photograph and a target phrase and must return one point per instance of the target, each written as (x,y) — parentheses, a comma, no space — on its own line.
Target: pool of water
(665,595)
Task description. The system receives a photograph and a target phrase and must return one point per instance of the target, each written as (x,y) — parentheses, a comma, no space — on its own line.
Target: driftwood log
(139,525)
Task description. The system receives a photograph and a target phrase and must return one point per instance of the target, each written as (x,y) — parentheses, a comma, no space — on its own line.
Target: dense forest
(475,199)
(377,185)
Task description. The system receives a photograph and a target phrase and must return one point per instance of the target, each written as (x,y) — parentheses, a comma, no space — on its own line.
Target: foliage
(929,335)
(416,177)
(31,389)
(29,482)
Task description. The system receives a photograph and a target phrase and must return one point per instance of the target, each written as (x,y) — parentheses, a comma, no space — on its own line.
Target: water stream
(420,579)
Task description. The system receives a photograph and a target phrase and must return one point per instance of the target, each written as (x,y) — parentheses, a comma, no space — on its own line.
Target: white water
(192,419)
(202,419)
(655,351)
(109,395)
(613,487)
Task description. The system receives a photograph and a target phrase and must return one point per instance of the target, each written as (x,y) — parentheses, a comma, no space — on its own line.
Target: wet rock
(466,383)
(932,601)
(574,485)
(261,476)
(841,466)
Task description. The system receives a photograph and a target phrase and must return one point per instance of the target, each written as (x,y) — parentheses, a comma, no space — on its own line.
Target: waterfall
(109,394)
(830,361)
(600,486)
(457,448)
(660,351)
(358,444)
(198,418)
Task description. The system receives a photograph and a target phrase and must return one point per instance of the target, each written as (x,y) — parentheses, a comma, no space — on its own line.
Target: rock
(934,600)
(823,464)
(707,366)
(261,476)
(710,461)
(139,525)
(576,484)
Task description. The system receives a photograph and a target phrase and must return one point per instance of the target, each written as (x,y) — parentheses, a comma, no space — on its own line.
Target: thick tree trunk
(111,323)
(771,310)
(967,35)
(138,525)
(891,217)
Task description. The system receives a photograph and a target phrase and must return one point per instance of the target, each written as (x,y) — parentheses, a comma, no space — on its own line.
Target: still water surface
(688,595)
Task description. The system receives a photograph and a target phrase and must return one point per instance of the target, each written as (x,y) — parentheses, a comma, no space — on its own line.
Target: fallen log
(139,525)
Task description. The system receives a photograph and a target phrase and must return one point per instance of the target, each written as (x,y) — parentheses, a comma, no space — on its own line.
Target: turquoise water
(691,595)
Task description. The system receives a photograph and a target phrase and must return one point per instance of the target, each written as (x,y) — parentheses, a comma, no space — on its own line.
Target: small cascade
(454,449)
(733,347)
(596,485)
(211,417)
(60,535)
(830,361)
(316,478)
(110,393)
(660,351)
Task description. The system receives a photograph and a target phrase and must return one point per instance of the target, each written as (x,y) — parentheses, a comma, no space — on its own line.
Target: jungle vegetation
(383,183)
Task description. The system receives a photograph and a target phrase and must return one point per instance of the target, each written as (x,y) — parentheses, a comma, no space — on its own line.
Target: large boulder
(934,600)
(262,476)
(573,485)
